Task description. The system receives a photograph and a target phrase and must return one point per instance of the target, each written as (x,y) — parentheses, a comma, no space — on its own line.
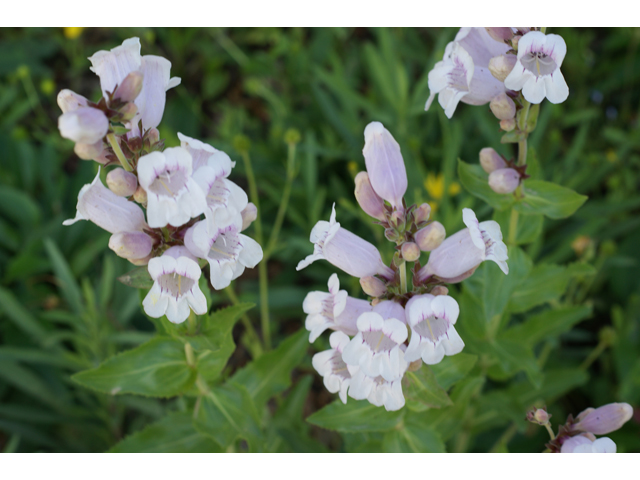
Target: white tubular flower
(68,100)
(537,71)
(463,74)
(461,253)
(345,250)
(432,333)
(113,66)
(227,250)
(334,310)
(582,444)
(329,364)
(376,346)
(385,165)
(175,286)
(202,152)
(173,196)
(84,125)
(377,390)
(605,419)
(101,206)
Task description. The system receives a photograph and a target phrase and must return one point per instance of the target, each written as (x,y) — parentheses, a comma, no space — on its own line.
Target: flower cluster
(579,435)
(375,342)
(193,211)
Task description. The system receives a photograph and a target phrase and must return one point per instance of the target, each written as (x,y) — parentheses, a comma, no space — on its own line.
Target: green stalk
(403,277)
(246,321)
(118,151)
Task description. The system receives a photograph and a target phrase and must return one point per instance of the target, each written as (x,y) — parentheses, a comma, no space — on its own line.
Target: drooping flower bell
(537,71)
(432,332)
(377,390)
(334,310)
(329,364)
(461,253)
(173,196)
(175,288)
(345,250)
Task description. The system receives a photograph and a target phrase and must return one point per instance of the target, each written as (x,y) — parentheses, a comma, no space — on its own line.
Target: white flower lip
(377,390)
(487,237)
(329,364)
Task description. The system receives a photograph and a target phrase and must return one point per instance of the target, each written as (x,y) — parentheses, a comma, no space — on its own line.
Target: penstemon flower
(336,374)
(377,391)
(583,444)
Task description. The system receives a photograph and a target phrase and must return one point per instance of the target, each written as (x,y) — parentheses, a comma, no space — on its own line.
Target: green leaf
(549,199)
(355,416)
(416,437)
(550,323)
(528,229)
(157,368)
(271,373)
(68,285)
(18,206)
(513,357)
(228,413)
(20,316)
(137,278)
(175,433)
(421,390)
(475,180)
(453,369)
(514,136)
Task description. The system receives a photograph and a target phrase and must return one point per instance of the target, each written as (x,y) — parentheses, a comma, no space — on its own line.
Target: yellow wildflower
(434,184)
(72,32)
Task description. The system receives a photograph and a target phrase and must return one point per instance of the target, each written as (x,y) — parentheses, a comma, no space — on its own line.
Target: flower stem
(403,277)
(119,153)
(594,355)
(191,326)
(513,226)
(188,352)
(550,430)
(246,321)
(262,266)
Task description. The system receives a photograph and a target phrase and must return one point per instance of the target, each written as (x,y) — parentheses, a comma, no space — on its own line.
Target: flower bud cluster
(504,175)
(193,212)
(375,342)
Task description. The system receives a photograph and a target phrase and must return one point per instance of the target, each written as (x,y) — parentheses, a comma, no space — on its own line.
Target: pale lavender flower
(605,419)
(461,253)
(334,310)
(537,71)
(173,196)
(335,373)
(227,250)
(175,286)
(385,165)
(504,180)
(491,160)
(83,125)
(376,390)
(432,332)
(345,250)
(367,198)
(583,444)
(131,245)
(430,237)
(121,182)
(101,206)
(68,101)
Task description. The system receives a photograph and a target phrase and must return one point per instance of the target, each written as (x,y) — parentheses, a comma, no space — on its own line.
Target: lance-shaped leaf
(550,199)
(475,181)
(421,390)
(453,369)
(415,436)
(355,416)
(157,368)
(137,278)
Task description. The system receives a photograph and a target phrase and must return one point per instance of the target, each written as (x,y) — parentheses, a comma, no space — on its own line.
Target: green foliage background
(62,310)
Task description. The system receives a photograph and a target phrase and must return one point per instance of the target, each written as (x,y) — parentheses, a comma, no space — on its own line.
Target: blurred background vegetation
(62,310)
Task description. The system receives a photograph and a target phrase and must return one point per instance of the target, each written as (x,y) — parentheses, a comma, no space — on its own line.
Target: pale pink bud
(439,290)
(410,251)
(372,286)
(154,136)
(504,180)
(421,214)
(605,419)
(500,34)
(88,151)
(502,107)
(84,125)
(491,160)
(367,198)
(140,195)
(430,237)
(68,101)
(508,125)
(130,87)
(139,262)
(128,111)
(501,66)
(121,182)
(538,416)
(249,214)
(385,165)
(131,245)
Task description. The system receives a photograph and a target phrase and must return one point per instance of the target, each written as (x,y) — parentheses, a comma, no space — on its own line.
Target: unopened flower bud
(249,214)
(154,136)
(439,290)
(538,416)
(501,66)
(514,41)
(128,111)
(367,198)
(508,125)
(121,182)
(372,286)
(385,166)
(504,180)
(139,262)
(491,160)
(84,125)
(88,151)
(421,214)
(131,244)
(430,237)
(605,419)
(415,366)
(502,107)
(411,251)
(140,195)
(130,87)
(398,220)
(391,235)
(500,34)
(68,101)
